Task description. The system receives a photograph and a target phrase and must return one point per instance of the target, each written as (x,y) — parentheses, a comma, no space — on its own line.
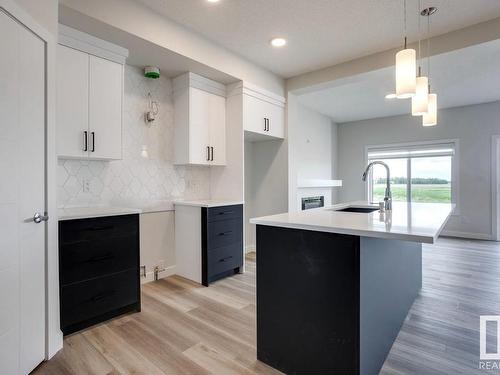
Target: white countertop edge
(206,203)
(423,238)
(91,212)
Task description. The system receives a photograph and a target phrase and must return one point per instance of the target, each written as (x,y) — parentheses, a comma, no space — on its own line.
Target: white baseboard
(473,236)
(250,248)
(150,276)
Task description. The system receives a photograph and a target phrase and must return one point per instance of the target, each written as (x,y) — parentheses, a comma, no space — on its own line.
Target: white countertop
(417,222)
(72,213)
(206,203)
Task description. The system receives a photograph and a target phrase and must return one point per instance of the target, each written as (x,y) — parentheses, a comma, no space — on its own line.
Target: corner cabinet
(200,121)
(89,104)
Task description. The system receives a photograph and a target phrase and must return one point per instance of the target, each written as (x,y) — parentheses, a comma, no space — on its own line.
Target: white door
(72,102)
(199,129)
(105,109)
(217,119)
(22,193)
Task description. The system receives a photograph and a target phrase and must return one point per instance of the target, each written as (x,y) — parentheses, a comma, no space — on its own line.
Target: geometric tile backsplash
(135,179)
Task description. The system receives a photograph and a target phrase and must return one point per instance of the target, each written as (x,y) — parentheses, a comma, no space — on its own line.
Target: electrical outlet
(86,185)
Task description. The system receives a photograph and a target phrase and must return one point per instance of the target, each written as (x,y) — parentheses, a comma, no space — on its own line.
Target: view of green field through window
(430,179)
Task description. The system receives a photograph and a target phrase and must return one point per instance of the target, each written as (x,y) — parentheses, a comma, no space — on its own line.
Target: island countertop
(417,222)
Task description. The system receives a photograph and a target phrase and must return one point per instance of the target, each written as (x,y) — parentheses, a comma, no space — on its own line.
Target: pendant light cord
(404,20)
(429,46)
(419,40)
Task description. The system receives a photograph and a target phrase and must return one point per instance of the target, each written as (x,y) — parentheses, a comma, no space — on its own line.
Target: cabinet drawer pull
(85,141)
(225,212)
(226,258)
(208,153)
(101,296)
(101,258)
(224,233)
(212,158)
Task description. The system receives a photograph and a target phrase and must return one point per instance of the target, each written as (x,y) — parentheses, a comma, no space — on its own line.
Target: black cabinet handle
(226,258)
(208,153)
(101,296)
(265,124)
(85,141)
(224,233)
(268,124)
(101,258)
(225,212)
(212,149)
(93,141)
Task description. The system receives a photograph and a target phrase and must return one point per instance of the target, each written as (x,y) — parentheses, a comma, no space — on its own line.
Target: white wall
(137,19)
(472,125)
(312,152)
(44,12)
(266,176)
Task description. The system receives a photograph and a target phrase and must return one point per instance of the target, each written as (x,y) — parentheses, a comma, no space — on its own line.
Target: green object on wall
(152,72)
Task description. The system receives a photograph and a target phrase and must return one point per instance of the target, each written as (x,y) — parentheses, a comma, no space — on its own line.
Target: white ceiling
(462,77)
(320,33)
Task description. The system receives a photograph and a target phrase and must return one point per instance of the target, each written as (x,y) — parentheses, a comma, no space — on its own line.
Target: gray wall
(472,125)
(266,189)
(312,150)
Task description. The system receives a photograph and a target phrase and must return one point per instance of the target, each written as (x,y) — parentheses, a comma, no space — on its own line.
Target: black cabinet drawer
(97,228)
(224,259)
(89,299)
(225,212)
(85,260)
(223,233)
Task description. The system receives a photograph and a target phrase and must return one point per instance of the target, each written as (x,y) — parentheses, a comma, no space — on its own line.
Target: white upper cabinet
(263,112)
(200,121)
(89,97)
(105,109)
(72,102)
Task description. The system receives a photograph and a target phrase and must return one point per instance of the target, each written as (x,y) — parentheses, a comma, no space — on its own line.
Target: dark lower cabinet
(222,242)
(98,270)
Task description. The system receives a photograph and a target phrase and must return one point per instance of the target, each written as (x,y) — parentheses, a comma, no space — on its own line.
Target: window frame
(455,183)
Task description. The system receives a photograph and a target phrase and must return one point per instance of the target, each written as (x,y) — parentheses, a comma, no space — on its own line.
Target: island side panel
(307,301)
(390,280)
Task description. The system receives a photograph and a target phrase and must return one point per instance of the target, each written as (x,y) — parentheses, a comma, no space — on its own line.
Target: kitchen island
(334,287)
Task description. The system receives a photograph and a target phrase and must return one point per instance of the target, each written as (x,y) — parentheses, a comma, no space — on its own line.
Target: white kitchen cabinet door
(217,121)
(199,126)
(72,102)
(263,117)
(254,114)
(105,109)
(276,121)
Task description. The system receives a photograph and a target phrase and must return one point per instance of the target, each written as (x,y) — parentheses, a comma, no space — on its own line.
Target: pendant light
(419,102)
(429,118)
(406,66)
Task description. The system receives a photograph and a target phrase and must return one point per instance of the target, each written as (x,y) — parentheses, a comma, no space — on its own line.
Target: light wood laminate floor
(189,329)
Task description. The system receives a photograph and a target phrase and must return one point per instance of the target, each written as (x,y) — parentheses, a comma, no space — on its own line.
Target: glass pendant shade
(419,102)
(430,118)
(406,79)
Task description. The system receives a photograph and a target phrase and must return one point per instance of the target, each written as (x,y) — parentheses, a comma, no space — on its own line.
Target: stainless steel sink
(365,210)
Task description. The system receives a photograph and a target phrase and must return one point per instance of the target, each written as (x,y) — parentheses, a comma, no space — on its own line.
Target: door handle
(265,124)
(212,149)
(38,217)
(85,141)
(208,153)
(268,122)
(93,141)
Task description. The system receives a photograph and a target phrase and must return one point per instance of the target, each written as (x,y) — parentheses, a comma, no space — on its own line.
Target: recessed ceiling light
(278,42)
(213,1)
(390,96)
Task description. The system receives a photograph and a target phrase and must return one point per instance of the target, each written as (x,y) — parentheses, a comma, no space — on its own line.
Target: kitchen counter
(418,222)
(334,288)
(206,203)
(72,213)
